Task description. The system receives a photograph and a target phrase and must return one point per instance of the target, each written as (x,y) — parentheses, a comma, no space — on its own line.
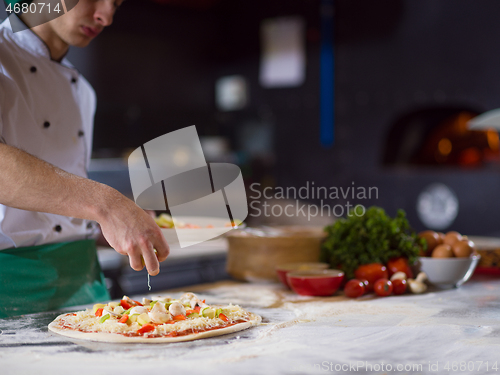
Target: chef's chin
(80,41)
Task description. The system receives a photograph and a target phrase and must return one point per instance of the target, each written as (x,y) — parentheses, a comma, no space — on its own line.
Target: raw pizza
(160,320)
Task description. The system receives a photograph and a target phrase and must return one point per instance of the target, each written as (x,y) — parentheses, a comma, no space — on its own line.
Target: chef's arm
(29,183)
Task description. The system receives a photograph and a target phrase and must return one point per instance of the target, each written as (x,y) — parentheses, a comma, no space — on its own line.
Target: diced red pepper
(197,309)
(125,304)
(124,319)
(203,301)
(98,312)
(146,328)
(179,317)
(136,302)
(223,317)
(189,311)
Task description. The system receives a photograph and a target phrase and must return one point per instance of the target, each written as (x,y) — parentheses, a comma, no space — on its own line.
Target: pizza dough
(88,324)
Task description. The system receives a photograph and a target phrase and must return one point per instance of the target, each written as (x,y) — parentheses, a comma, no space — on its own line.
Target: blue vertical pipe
(327,68)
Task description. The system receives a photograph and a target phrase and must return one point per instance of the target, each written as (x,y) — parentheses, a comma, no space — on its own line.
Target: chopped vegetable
(370,238)
(193,315)
(98,306)
(223,317)
(197,309)
(99,311)
(218,312)
(146,328)
(104,318)
(189,312)
(123,319)
(179,317)
(143,319)
(208,312)
(152,304)
(127,311)
(125,304)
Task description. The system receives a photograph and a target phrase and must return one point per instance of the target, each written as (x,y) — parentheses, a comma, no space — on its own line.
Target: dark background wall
(155,69)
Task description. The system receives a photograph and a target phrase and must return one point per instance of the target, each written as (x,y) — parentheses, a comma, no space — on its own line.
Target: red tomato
(383,287)
(399,265)
(368,286)
(354,288)
(371,272)
(125,304)
(399,286)
(145,328)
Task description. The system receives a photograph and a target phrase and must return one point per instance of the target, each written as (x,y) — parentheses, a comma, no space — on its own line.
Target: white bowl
(448,272)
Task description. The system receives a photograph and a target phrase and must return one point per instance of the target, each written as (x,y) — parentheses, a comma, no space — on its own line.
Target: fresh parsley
(371,238)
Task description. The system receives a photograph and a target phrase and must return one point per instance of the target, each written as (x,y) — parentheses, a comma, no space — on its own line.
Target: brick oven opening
(440,137)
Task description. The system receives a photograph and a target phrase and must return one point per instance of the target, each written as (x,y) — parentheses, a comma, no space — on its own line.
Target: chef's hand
(132,231)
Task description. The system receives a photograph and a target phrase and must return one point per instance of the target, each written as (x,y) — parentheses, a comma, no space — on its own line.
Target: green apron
(48,277)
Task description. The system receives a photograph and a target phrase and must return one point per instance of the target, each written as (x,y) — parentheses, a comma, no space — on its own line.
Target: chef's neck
(58,47)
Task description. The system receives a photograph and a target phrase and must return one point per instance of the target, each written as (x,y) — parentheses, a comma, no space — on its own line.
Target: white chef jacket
(46,109)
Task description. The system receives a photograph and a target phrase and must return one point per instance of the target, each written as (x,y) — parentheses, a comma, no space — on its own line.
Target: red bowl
(315,282)
(283,269)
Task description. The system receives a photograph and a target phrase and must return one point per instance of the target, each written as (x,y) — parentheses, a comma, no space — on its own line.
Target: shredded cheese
(86,321)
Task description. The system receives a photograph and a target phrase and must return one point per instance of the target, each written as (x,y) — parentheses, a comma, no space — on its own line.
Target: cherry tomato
(399,264)
(371,272)
(354,288)
(368,286)
(383,287)
(399,286)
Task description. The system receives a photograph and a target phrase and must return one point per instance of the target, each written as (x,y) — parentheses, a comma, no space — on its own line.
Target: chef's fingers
(135,259)
(162,248)
(152,264)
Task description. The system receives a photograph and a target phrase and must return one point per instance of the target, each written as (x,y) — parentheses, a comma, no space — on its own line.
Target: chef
(48,208)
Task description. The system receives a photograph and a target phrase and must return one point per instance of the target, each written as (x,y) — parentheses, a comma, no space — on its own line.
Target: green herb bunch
(371,238)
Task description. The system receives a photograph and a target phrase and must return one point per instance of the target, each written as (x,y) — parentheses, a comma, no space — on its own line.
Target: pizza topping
(143,319)
(208,312)
(97,307)
(186,298)
(196,302)
(159,314)
(223,317)
(138,320)
(177,308)
(119,310)
(109,311)
(125,304)
(139,310)
(130,301)
(146,328)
